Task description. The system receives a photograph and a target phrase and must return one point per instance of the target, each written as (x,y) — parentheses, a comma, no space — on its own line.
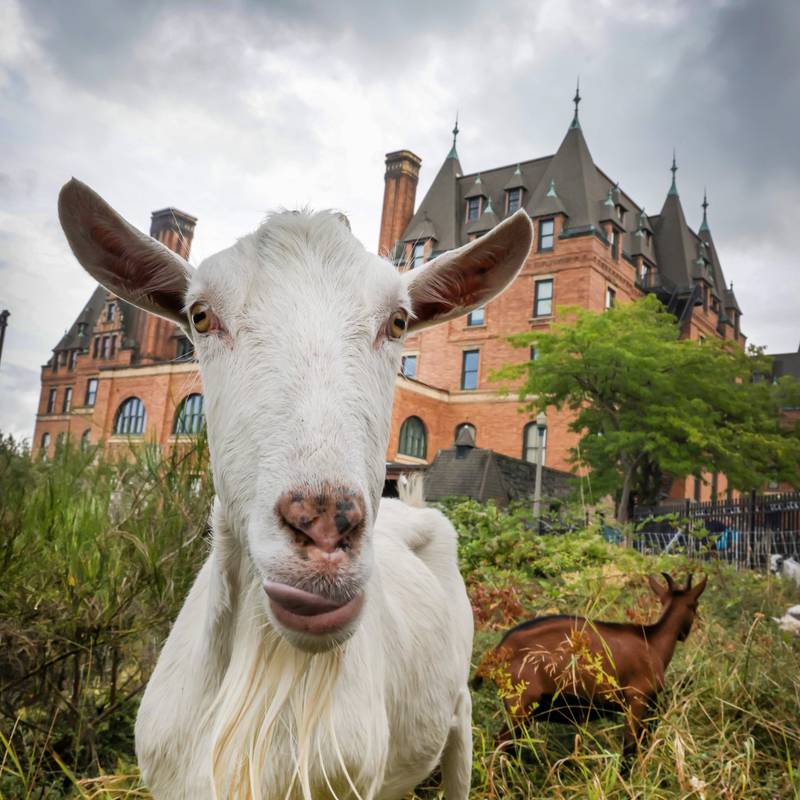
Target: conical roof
(674,243)
(440,210)
(574,173)
(550,204)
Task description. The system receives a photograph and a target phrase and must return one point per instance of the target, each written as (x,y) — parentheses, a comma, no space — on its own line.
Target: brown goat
(570,669)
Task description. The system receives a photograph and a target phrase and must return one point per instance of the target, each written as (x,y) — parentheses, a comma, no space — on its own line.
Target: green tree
(647,402)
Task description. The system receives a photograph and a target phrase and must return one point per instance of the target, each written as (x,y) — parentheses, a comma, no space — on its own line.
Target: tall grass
(96,556)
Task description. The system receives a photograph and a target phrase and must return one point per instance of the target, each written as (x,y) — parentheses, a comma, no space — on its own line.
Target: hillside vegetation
(96,557)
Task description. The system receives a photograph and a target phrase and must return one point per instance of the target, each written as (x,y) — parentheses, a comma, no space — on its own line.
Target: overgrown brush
(97,556)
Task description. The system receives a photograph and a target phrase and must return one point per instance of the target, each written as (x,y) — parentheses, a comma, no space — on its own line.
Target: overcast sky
(229,112)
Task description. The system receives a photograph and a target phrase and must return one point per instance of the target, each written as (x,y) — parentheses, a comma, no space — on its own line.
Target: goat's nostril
(331,521)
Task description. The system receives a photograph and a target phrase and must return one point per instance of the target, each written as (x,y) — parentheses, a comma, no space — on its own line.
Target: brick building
(593,246)
(119,372)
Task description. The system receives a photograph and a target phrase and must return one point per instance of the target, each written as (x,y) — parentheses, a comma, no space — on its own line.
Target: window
(104,350)
(189,416)
(184,349)
(73,359)
(81,329)
(412,438)
(615,244)
(67,403)
(473,208)
(514,200)
(532,437)
(131,417)
(476,317)
(644,273)
(113,345)
(611,297)
(110,312)
(61,441)
(714,485)
(45,445)
(417,255)
(408,366)
(469,369)
(96,346)
(543,298)
(697,488)
(51,401)
(534,352)
(91,391)
(86,439)
(546,234)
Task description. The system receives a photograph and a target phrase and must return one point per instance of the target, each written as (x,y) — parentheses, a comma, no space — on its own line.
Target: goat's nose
(330,520)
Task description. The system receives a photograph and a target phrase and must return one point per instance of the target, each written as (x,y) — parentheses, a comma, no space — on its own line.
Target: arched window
(86,439)
(469,427)
(413,438)
(189,416)
(45,446)
(530,443)
(131,418)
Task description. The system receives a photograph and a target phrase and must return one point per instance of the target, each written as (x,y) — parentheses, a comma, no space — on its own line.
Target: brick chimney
(173,228)
(399,194)
(157,336)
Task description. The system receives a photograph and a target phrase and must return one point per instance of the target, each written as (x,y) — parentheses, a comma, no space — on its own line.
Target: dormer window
(514,200)
(547,229)
(417,255)
(473,208)
(476,317)
(110,312)
(621,214)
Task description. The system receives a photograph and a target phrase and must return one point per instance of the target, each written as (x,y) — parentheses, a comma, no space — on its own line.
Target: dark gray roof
(476,190)
(486,475)
(516,181)
(674,244)
(549,204)
(72,340)
(786,364)
(421,230)
(582,192)
(442,207)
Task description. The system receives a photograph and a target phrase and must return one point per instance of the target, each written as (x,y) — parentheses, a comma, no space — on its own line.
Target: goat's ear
(658,589)
(128,263)
(461,280)
(699,588)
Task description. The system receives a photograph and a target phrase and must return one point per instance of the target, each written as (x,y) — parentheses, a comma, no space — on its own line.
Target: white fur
(298,392)
(304,395)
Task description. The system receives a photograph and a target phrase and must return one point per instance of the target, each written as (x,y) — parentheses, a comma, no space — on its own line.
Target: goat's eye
(200,316)
(398,323)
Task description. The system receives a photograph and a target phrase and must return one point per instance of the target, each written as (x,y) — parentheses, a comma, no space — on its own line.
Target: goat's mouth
(304,612)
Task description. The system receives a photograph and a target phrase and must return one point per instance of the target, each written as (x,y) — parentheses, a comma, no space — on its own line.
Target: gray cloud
(228,111)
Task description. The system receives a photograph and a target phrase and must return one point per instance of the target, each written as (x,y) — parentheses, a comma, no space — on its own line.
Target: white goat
(324,648)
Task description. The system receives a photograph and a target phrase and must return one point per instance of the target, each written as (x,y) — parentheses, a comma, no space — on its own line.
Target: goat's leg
(635,714)
(457,754)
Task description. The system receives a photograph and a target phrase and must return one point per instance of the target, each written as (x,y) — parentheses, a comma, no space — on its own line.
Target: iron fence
(744,532)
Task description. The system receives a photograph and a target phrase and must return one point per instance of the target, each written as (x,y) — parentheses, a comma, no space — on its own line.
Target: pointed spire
(453,153)
(551,192)
(704,223)
(673,190)
(576,100)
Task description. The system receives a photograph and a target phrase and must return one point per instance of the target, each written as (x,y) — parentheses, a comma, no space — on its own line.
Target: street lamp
(541,430)
(4,315)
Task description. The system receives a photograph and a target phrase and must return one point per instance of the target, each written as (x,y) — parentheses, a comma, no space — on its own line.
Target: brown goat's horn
(689,581)
(668,579)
